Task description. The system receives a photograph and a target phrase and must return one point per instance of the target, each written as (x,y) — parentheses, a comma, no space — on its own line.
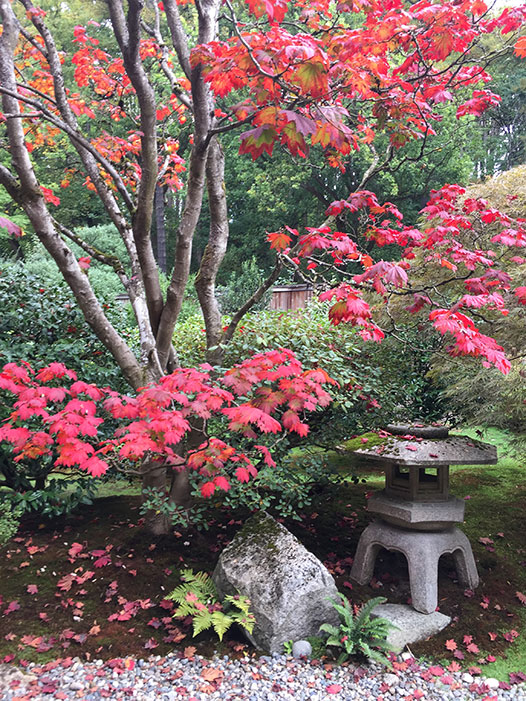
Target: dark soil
(54,621)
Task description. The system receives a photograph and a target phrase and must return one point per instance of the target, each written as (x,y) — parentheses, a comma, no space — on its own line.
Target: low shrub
(9,520)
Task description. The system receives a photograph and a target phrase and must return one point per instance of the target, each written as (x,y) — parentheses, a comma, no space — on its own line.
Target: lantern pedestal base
(422,551)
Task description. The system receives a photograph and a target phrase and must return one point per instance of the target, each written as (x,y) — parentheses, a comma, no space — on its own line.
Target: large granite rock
(289,588)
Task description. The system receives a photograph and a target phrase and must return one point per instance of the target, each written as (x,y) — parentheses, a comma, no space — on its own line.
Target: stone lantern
(415,513)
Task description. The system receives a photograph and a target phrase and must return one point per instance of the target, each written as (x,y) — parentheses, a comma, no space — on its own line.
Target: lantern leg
(465,562)
(365,556)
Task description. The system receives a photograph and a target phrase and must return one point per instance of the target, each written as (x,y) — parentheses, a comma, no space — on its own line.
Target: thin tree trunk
(155,477)
(160,228)
(214,251)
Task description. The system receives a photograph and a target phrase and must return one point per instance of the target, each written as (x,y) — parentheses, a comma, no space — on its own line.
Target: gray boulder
(289,589)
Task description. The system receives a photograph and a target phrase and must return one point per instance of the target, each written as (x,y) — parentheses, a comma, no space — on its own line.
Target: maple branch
(104,258)
(155,32)
(71,127)
(30,197)
(251,301)
(29,38)
(8,180)
(203,105)
(178,35)
(372,169)
(25,115)
(215,250)
(128,35)
(76,138)
(223,129)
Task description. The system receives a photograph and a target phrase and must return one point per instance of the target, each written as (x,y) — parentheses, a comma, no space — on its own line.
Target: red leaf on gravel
(189,652)
(436,670)
(211,674)
(333,689)
(521,597)
(32,589)
(451,645)
(151,644)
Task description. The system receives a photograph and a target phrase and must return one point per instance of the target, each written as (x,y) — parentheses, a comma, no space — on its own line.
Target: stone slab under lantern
(410,626)
(416,515)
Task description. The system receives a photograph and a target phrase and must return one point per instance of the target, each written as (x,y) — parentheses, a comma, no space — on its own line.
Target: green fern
(197,598)
(359,634)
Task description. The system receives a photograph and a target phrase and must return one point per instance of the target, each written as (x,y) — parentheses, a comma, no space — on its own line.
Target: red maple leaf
(12,606)
(279,240)
(75,549)
(520,47)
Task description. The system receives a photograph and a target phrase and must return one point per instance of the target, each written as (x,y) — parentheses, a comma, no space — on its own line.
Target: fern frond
(365,612)
(202,622)
(221,623)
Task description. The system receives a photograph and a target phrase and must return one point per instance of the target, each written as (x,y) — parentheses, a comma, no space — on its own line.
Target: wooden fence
(290,296)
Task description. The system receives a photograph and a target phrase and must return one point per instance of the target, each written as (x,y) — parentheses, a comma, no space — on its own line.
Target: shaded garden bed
(93,584)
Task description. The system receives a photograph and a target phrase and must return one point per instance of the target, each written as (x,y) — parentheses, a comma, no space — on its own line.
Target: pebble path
(279,678)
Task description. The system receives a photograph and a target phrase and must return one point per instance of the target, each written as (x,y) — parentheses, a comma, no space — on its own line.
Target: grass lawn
(93,584)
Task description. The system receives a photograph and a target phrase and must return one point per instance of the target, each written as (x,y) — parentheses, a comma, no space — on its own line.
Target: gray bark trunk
(160,227)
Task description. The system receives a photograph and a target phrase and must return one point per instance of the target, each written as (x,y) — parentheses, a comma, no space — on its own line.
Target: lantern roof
(413,447)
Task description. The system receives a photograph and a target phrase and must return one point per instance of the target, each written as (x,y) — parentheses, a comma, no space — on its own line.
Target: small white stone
(391,679)
(467,678)
(406,656)
(492,683)
(302,648)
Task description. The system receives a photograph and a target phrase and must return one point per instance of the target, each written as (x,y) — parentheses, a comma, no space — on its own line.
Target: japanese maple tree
(293,75)
(55,414)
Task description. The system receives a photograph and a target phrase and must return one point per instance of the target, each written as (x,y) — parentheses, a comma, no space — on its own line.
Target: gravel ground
(278,677)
